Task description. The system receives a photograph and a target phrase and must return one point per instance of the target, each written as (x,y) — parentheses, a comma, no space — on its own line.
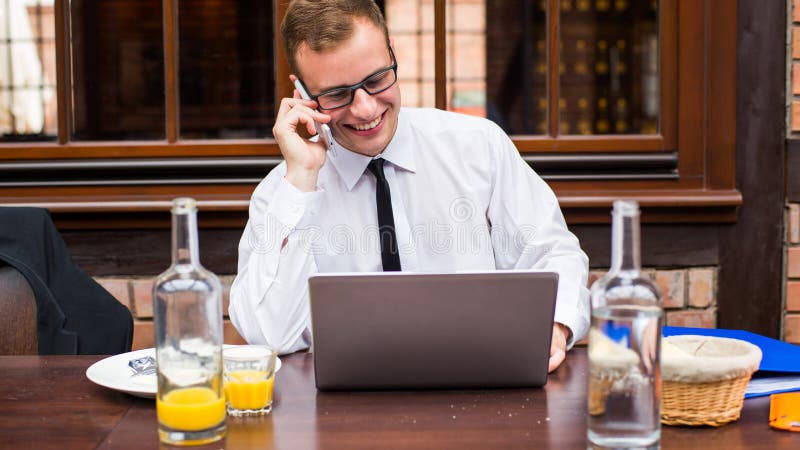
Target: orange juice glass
(249,372)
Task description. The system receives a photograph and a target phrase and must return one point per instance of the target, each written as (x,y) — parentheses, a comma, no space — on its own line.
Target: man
(401,189)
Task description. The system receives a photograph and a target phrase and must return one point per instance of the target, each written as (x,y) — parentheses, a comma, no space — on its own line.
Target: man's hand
(558,346)
(303,158)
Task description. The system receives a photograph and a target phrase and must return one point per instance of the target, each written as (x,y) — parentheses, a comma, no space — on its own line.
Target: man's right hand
(304,158)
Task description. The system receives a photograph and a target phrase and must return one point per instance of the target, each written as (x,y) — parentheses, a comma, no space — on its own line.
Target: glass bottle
(187,306)
(624,345)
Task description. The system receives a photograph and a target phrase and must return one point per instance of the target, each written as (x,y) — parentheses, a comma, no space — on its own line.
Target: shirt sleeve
(529,232)
(269,297)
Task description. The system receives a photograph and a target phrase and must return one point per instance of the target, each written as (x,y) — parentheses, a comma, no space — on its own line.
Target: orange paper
(784,411)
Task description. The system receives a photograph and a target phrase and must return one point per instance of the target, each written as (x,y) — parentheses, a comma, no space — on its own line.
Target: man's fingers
(556,358)
(288,104)
(558,347)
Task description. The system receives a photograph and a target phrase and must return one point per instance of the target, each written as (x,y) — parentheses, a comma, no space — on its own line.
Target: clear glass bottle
(187,311)
(624,345)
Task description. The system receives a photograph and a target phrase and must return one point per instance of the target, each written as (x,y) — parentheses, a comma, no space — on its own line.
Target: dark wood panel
(751,270)
(793,170)
(662,245)
(147,252)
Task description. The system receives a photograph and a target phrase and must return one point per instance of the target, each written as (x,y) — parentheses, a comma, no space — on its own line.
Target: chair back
(18,309)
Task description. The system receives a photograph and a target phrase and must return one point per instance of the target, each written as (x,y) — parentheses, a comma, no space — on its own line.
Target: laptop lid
(416,331)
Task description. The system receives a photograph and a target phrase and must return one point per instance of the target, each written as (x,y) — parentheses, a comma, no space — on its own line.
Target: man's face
(367,125)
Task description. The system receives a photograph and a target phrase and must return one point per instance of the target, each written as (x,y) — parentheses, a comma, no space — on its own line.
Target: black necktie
(389,254)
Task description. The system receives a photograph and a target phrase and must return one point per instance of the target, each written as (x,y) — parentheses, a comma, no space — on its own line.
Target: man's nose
(363,105)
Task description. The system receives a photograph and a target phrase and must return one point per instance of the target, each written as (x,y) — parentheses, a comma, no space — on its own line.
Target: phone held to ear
(323,130)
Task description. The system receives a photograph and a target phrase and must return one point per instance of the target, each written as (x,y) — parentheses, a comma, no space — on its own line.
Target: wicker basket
(704,379)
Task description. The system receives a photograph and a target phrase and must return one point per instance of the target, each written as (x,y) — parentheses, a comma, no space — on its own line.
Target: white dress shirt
(462,198)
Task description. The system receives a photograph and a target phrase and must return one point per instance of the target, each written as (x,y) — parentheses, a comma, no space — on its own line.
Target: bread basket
(704,379)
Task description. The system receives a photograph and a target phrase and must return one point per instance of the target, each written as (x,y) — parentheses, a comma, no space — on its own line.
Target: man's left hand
(558,346)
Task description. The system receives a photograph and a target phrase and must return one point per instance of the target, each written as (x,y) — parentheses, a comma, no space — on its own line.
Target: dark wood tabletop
(47,402)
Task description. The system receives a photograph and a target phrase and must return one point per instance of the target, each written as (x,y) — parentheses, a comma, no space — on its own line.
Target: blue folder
(780,360)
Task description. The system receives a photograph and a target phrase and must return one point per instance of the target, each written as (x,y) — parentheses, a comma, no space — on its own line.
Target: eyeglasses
(374,84)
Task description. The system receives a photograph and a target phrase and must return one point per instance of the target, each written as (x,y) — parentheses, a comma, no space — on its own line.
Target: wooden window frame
(686,174)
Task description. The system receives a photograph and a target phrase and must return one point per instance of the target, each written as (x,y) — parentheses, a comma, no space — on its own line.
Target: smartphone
(323,130)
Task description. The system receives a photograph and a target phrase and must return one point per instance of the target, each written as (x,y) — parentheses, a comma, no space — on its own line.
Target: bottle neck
(625,251)
(185,248)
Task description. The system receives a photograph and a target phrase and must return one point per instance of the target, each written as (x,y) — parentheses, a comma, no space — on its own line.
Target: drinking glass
(249,372)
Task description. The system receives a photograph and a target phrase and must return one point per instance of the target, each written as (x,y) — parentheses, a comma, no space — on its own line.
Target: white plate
(113,372)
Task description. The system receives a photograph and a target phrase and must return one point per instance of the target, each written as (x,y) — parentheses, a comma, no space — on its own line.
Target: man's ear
(294,78)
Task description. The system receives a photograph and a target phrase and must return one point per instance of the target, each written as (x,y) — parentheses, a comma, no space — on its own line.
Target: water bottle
(187,311)
(624,401)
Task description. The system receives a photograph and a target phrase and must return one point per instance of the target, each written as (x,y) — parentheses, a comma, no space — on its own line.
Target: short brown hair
(324,24)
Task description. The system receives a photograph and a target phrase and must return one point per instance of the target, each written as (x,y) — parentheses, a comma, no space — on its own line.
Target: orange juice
(249,389)
(191,409)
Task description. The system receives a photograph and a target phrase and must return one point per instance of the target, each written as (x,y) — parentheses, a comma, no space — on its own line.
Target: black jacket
(75,315)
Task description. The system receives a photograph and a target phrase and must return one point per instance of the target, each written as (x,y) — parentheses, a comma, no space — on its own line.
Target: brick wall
(689,297)
(791,319)
(137,294)
(791,322)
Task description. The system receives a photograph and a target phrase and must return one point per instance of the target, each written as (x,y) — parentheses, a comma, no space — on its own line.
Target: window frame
(698,86)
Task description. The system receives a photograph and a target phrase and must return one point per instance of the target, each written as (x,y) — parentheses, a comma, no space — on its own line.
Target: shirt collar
(351,165)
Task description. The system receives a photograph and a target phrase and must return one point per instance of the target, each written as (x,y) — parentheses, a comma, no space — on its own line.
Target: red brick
(793,262)
(796,78)
(227,281)
(143,298)
(701,287)
(696,318)
(118,287)
(594,275)
(793,296)
(794,223)
(795,115)
(673,287)
(231,335)
(796,10)
(143,334)
(792,328)
(796,42)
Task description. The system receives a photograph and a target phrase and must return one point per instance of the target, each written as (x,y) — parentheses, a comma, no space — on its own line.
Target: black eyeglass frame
(361,85)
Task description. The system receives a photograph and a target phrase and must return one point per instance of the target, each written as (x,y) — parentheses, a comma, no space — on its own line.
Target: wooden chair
(18,310)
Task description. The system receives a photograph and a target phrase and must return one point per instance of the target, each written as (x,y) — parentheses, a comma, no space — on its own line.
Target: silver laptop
(421,331)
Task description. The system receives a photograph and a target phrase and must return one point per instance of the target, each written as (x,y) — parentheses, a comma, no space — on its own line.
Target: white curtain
(21,107)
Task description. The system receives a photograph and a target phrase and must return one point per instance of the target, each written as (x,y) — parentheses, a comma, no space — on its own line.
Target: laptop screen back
(418,331)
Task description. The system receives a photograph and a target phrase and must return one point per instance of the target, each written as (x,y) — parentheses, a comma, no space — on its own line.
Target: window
(27,71)
(133,102)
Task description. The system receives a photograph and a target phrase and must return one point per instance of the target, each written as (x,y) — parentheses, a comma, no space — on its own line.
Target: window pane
(227,75)
(410,23)
(610,77)
(466,56)
(117,69)
(27,71)
(516,65)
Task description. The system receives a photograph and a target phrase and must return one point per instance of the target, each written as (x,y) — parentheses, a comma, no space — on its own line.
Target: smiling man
(407,189)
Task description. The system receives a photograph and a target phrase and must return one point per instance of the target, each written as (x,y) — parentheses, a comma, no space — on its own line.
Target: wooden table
(47,402)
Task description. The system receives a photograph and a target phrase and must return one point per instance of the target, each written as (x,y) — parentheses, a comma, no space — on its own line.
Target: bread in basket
(704,379)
